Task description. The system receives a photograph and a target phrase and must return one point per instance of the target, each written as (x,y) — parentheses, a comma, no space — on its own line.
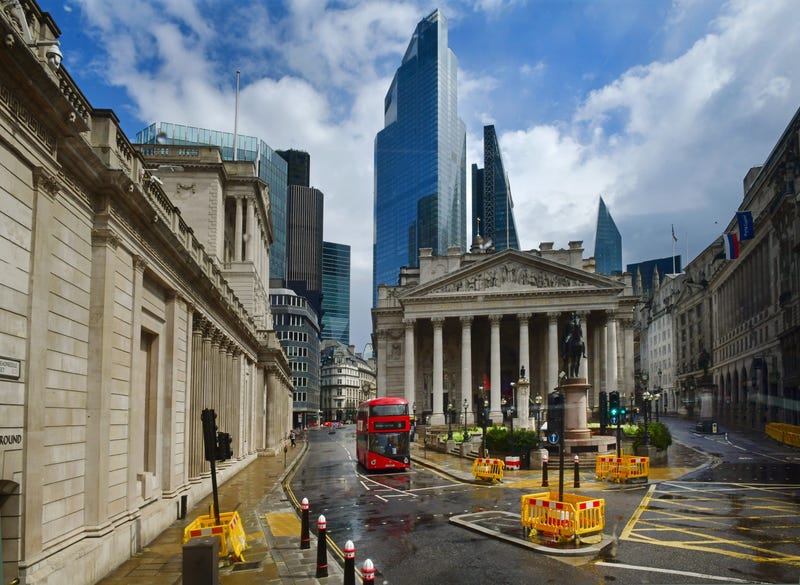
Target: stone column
(409,373)
(251,230)
(466,368)
(194,437)
(100,374)
(494,375)
(611,353)
(137,394)
(552,351)
(524,349)
(237,238)
(437,416)
(168,448)
(583,371)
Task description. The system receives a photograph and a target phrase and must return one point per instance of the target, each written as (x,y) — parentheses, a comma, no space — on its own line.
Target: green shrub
(502,440)
(660,437)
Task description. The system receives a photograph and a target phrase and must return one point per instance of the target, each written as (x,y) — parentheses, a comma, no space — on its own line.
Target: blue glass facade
(492,205)
(607,243)
(336,292)
(270,166)
(420,158)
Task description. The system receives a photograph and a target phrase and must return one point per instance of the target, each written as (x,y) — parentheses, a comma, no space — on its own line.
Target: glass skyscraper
(607,243)
(336,292)
(492,206)
(420,158)
(270,167)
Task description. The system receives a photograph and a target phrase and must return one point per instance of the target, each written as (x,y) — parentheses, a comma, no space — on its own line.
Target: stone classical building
(754,350)
(118,325)
(463,327)
(736,321)
(346,380)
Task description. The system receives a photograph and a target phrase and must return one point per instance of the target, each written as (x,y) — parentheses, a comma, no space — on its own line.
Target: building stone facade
(737,322)
(118,325)
(347,379)
(462,327)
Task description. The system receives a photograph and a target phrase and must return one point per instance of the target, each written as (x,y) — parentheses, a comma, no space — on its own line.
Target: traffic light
(224,450)
(555,412)
(613,406)
(209,418)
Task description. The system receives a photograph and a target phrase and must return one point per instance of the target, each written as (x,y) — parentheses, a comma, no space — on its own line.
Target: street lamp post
(484,417)
(537,404)
(466,404)
(646,398)
(450,421)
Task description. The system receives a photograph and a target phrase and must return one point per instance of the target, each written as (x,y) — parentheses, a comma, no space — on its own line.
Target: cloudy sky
(660,107)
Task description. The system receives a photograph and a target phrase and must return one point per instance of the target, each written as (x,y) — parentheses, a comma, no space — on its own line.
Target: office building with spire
(492,205)
(607,243)
(420,158)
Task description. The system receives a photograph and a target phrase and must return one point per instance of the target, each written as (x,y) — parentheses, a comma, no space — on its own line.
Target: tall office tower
(420,158)
(607,243)
(336,292)
(492,206)
(299,161)
(271,168)
(304,243)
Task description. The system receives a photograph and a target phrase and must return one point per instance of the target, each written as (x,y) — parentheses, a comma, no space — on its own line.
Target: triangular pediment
(513,271)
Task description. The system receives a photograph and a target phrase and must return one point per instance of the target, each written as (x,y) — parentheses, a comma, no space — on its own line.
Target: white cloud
(665,142)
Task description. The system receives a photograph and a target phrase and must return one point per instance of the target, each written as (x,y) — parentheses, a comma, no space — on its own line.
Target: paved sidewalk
(272,526)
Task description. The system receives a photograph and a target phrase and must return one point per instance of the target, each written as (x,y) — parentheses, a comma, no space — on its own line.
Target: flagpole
(236,118)
(674,239)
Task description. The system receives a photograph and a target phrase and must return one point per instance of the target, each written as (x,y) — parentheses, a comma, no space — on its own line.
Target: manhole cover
(246,566)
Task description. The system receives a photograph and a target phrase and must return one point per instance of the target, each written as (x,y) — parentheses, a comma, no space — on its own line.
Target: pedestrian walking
(293,438)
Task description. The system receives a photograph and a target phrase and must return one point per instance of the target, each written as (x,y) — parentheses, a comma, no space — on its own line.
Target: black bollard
(545,483)
(322,547)
(368,573)
(349,563)
(577,481)
(305,540)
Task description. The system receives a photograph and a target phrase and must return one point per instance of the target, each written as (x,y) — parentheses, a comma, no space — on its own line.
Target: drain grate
(251,566)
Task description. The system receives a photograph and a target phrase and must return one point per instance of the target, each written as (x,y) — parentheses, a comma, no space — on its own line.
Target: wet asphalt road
(732,521)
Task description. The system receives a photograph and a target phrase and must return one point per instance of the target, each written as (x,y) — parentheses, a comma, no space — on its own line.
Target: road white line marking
(673,572)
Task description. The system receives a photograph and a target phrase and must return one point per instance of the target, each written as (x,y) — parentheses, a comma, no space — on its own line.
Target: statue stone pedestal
(577,436)
(575,425)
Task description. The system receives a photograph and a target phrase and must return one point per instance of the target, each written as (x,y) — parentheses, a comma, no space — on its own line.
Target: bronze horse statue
(573,348)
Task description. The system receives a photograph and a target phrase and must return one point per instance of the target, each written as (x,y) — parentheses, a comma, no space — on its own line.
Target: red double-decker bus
(382,428)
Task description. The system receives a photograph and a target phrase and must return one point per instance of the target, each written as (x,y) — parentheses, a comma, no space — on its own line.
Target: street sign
(552,438)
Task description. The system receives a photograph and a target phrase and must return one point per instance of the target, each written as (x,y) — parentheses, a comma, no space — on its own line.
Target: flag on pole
(674,237)
(731,243)
(746,231)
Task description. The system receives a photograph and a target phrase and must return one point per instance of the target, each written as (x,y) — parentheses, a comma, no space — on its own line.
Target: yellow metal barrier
(230,532)
(488,469)
(784,433)
(622,469)
(571,518)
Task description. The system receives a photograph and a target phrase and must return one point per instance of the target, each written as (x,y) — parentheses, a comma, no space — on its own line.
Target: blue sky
(660,107)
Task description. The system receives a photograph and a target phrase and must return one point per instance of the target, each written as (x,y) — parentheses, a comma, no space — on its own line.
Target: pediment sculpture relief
(509,276)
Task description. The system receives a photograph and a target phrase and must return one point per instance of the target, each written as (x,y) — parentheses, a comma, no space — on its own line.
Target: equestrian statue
(573,347)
